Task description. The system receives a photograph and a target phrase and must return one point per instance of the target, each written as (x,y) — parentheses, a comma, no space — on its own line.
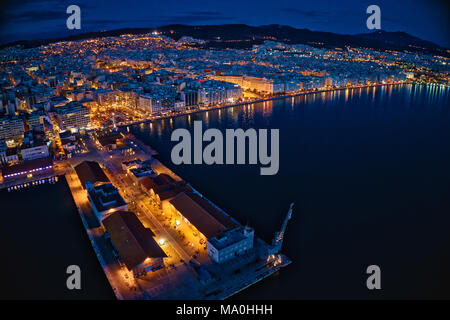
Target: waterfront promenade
(257,100)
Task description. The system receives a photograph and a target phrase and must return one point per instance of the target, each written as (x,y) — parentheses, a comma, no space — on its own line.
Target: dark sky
(34,19)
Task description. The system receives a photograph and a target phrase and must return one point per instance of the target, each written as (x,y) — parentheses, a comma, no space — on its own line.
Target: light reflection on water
(367,169)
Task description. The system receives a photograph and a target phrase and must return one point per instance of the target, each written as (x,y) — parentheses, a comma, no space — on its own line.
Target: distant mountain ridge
(244,36)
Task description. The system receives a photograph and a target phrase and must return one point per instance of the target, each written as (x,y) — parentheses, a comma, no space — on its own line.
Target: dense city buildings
(11,128)
(91,83)
(109,81)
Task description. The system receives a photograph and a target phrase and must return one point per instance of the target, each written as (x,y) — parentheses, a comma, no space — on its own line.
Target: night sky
(39,19)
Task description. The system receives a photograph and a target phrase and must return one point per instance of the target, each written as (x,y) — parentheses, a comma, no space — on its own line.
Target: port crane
(277,241)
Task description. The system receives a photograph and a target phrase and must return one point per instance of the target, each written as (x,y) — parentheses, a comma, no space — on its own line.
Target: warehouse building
(28,169)
(92,172)
(225,238)
(134,243)
(162,188)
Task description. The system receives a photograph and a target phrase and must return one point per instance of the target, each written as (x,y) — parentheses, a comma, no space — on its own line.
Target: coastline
(285,96)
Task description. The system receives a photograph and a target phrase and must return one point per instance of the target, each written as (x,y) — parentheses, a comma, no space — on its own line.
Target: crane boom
(278,239)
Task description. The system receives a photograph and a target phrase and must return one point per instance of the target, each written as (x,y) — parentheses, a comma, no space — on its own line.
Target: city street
(121,280)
